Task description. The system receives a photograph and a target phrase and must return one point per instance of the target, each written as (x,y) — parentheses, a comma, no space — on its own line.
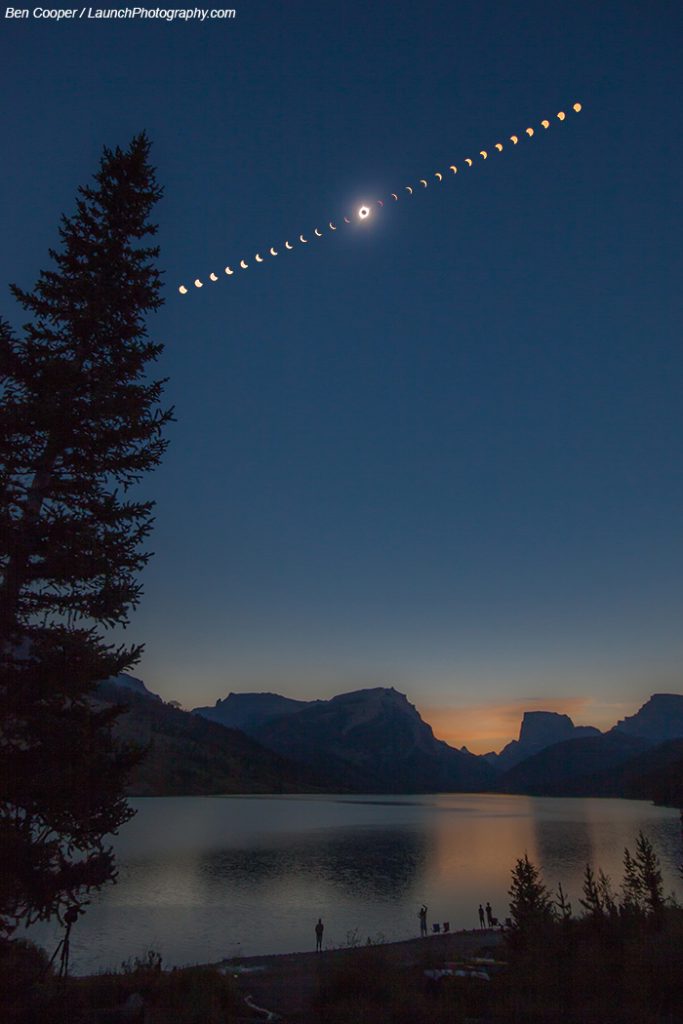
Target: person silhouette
(489,915)
(481,916)
(423,919)
(319,929)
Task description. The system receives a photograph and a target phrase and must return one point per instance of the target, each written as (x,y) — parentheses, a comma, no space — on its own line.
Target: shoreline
(285,984)
(435,941)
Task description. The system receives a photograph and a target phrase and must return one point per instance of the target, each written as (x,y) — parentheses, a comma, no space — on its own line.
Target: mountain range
(374,740)
(188,755)
(357,737)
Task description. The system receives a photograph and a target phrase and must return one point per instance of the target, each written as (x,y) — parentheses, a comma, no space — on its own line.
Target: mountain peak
(672,700)
(658,720)
(385,695)
(540,728)
(250,711)
(128,682)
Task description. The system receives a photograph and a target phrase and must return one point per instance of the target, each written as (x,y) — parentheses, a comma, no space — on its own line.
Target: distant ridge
(658,720)
(570,768)
(128,682)
(372,740)
(188,755)
(641,757)
(250,711)
(539,729)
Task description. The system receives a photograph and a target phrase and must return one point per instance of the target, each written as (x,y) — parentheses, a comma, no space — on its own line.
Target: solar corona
(363,213)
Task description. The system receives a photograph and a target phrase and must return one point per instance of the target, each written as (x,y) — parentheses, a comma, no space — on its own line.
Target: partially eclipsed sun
(365,211)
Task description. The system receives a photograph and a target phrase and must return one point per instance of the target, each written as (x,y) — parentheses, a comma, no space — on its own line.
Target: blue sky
(440,450)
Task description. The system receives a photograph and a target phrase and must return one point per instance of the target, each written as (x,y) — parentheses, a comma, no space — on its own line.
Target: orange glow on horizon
(490,726)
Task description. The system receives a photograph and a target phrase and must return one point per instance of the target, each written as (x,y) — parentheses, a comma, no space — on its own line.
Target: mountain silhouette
(539,729)
(371,739)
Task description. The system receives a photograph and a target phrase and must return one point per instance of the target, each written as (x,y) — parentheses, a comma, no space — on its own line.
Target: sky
(441,449)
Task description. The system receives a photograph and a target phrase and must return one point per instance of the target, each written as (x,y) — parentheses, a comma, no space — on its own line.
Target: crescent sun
(365,211)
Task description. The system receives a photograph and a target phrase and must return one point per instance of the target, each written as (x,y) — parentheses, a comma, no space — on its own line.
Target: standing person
(423,919)
(489,915)
(319,929)
(481,916)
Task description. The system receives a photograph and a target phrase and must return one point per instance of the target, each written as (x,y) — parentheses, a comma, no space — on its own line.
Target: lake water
(203,878)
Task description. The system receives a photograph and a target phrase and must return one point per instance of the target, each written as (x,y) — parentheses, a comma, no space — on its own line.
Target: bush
(32,994)
(24,970)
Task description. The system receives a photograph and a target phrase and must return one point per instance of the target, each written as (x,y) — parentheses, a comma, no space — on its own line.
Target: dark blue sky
(443,450)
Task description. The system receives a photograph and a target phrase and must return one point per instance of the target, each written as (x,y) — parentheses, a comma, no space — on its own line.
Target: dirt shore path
(286,984)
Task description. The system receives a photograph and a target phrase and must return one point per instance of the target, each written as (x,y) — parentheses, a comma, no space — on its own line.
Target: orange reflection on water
(499,832)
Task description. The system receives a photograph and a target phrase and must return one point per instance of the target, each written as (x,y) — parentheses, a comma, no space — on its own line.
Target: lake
(202,878)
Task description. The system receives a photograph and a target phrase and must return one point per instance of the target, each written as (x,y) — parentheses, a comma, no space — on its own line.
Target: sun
(365,211)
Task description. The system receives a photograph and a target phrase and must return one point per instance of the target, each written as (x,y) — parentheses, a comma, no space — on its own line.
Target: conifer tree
(632,896)
(592,898)
(563,907)
(607,895)
(650,874)
(79,425)
(531,905)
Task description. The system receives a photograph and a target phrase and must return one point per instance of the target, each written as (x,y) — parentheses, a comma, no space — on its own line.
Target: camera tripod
(69,918)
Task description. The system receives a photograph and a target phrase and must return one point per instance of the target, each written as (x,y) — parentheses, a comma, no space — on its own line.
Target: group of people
(486,920)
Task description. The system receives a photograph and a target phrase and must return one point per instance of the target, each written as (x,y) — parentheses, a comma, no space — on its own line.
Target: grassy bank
(140,993)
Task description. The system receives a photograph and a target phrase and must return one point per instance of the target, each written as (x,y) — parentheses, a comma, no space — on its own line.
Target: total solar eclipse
(364,211)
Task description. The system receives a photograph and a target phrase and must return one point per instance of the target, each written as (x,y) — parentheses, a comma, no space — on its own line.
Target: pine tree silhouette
(79,425)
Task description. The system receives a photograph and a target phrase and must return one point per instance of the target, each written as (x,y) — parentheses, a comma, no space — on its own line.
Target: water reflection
(377,864)
(202,878)
(560,850)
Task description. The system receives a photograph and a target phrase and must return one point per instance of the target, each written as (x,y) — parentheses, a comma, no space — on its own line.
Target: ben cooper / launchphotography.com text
(116,13)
